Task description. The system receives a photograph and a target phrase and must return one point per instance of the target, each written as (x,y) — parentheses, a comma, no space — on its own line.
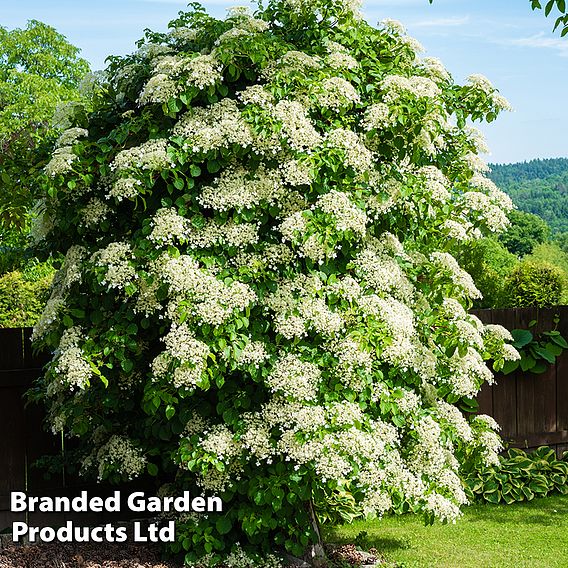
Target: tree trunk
(315,554)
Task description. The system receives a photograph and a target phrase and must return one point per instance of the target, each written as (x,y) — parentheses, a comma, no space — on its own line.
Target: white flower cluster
(460,230)
(159,89)
(70,136)
(238,558)
(484,85)
(71,367)
(48,317)
(487,439)
(437,183)
(212,301)
(384,274)
(397,86)
(297,129)
(348,217)
(351,7)
(219,125)
(357,155)
(117,260)
(220,442)
(338,57)
(436,69)
(468,373)
(240,189)
(168,227)
(294,378)
(296,173)
(378,117)
(355,364)
(184,352)
(256,95)
(336,94)
(230,234)
(94,212)
(460,277)
(173,73)
(456,419)
(120,455)
(150,156)
(498,332)
(61,161)
(253,353)
(125,188)
(484,207)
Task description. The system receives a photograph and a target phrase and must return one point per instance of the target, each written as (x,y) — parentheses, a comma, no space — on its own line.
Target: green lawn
(521,535)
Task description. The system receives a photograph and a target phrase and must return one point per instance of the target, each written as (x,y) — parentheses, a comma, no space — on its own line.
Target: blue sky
(502,39)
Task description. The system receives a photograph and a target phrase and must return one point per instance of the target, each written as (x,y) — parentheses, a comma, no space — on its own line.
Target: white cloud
(539,41)
(441,22)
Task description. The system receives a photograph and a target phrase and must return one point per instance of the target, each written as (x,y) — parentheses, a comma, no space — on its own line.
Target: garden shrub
(489,264)
(519,476)
(21,300)
(555,255)
(534,284)
(257,298)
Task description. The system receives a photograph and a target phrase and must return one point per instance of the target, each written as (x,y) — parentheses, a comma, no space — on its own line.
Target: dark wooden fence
(532,410)
(22,438)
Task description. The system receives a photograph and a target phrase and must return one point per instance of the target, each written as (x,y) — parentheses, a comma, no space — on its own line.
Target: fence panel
(532,410)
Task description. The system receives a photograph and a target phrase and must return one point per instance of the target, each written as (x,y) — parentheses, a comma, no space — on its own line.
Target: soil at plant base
(107,555)
(57,555)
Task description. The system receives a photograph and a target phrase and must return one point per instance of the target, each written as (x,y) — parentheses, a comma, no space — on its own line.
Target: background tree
(524,233)
(489,263)
(549,6)
(39,70)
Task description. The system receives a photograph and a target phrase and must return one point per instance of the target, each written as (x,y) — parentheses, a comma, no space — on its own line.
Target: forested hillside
(539,187)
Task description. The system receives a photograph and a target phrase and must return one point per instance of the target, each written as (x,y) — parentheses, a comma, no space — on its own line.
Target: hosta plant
(258,299)
(518,476)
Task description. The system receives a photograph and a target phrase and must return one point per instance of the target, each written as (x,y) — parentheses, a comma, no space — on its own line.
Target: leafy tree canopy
(525,232)
(39,69)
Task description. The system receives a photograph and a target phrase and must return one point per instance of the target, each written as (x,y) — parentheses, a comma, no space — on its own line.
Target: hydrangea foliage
(258,297)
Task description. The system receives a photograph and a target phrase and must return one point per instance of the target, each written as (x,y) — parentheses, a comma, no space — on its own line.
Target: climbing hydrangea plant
(258,298)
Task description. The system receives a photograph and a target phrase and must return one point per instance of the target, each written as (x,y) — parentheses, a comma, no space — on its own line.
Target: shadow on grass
(380,543)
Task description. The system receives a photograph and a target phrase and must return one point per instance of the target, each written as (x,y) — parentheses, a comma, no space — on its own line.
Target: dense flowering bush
(257,294)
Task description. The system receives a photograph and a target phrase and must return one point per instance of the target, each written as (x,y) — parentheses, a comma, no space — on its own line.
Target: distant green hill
(539,187)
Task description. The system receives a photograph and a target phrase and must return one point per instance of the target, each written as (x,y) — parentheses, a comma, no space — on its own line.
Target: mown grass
(533,534)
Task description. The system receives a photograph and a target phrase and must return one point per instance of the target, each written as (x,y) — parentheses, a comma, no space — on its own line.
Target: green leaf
(521,337)
(127,365)
(548,7)
(560,341)
(509,367)
(539,367)
(152,469)
(553,348)
(223,525)
(170,411)
(527,362)
(545,354)
(213,166)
